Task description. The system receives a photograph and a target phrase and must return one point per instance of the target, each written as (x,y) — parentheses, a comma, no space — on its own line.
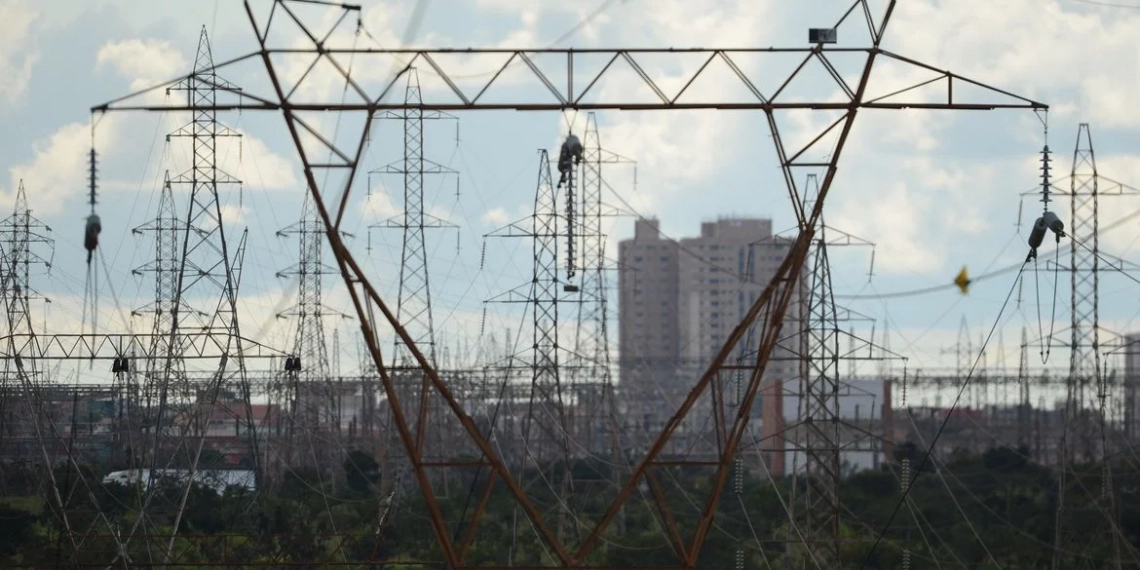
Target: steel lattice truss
(22,235)
(592,371)
(413,306)
(579,89)
(541,434)
(165,359)
(818,512)
(309,395)
(1084,435)
(1084,358)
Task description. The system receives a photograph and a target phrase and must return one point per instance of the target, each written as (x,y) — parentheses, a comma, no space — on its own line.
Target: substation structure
(572,536)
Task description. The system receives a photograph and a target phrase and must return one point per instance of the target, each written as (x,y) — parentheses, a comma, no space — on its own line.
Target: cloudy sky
(934,191)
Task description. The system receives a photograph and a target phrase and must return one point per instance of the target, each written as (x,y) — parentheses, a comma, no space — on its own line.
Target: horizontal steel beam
(575,80)
(617,106)
(193,346)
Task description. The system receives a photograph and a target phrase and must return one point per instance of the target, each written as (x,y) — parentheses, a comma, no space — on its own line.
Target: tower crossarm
(570,89)
(198,346)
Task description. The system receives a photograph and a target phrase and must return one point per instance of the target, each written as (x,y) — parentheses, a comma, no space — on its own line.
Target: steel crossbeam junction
(842,85)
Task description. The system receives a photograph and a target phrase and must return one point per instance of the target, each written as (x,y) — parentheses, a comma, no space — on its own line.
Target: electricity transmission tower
(208,264)
(1084,436)
(851,97)
(165,382)
(21,237)
(25,242)
(593,372)
(542,435)
(819,411)
(314,402)
(821,431)
(413,303)
(1084,267)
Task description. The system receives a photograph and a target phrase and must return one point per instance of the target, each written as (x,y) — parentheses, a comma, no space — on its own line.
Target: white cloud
(234,215)
(379,206)
(496,216)
(17,56)
(900,238)
(57,172)
(255,165)
(145,62)
(1068,47)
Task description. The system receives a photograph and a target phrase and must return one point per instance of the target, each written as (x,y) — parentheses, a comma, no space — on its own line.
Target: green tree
(361,472)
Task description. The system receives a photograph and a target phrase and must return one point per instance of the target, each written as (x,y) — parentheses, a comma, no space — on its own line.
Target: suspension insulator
(91,235)
(1054,224)
(1037,236)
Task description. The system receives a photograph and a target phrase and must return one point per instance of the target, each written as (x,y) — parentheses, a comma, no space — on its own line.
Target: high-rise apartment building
(1131,401)
(679,301)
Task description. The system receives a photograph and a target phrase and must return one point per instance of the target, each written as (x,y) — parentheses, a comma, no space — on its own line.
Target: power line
(994,273)
(1109,4)
(946,420)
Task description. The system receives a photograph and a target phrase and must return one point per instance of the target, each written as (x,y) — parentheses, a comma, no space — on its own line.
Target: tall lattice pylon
(26,243)
(1084,433)
(165,375)
(23,237)
(1084,266)
(23,241)
(818,517)
(540,431)
(314,401)
(208,263)
(413,305)
(206,279)
(820,430)
(592,342)
(542,295)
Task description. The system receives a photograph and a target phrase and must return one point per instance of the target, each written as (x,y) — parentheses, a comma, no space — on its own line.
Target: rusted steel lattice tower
(686,532)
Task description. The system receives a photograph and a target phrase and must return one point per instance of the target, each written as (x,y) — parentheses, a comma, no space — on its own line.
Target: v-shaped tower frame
(331,183)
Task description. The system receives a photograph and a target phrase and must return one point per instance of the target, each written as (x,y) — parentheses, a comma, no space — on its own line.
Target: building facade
(679,301)
(1131,412)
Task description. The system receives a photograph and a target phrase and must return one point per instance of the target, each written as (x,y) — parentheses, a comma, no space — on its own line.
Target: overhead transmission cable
(1046,223)
(989,275)
(1109,4)
(583,23)
(917,471)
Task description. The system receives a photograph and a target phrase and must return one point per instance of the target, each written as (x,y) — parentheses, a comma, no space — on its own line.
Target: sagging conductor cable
(917,471)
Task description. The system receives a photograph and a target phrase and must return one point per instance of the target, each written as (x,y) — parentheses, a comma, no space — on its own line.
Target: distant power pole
(1084,266)
(413,306)
(313,398)
(1084,436)
(21,237)
(165,370)
(208,269)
